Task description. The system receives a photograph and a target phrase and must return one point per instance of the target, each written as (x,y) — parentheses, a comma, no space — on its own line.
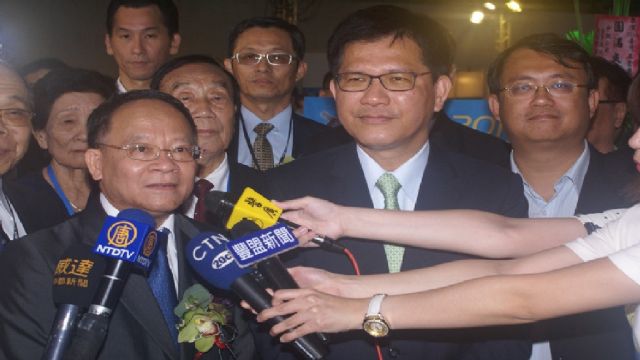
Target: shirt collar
(280,121)
(112,211)
(220,176)
(120,86)
(409,174)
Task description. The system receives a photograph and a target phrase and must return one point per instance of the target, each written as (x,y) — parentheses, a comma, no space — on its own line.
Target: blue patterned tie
(161,282)
(389,186)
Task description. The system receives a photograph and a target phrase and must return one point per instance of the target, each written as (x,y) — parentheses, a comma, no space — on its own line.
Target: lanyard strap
(250,146)
(58,189)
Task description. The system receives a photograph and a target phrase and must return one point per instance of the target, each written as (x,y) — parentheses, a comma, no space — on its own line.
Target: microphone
(128,241)
(209,257)
(75,281)
(255,207)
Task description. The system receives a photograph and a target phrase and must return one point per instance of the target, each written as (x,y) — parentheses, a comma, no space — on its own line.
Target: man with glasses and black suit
(544,92)
(266,56)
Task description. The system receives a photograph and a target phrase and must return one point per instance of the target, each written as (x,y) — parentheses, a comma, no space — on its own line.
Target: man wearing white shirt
(15,132)
(141,36)
(392,70)
(142,152)
(266,56)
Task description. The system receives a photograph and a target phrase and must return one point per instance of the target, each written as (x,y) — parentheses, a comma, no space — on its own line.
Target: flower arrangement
(203,321)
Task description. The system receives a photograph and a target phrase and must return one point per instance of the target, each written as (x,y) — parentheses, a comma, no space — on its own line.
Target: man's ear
(93,159)
(107,44)
(176,40)
(41,138)
(302,70)
(228,65)
(594,98)
(619,112)
(494,106)
(442,86)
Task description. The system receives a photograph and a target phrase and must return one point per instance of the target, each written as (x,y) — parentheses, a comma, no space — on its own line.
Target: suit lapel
(439,186)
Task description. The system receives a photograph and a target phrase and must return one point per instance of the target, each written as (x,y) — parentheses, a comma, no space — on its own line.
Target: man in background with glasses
(15,132)
(391,74)
(266,56)
(544,92)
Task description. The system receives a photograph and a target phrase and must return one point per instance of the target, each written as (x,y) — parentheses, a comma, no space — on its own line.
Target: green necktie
(389,186)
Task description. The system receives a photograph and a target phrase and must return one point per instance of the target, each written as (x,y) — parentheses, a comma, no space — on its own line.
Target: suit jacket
(36,202)
(242,176)
(303,130)
(450,181)
(445,133)
(602,334)
(137,329)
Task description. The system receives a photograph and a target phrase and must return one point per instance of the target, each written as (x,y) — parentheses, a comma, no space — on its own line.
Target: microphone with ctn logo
(128,241)
(208,255)
(75,281)
(253,206)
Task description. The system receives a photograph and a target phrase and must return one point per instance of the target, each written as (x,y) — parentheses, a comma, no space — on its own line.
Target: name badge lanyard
(58,189)
(250,146)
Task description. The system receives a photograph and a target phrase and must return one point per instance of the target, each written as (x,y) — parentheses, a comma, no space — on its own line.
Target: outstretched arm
(506,299)
(466,231)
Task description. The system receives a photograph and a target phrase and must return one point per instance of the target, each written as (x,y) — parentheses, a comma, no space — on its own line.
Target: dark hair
(619,80)
(100,119)
(376,22)
(44,63)
(167,8)
(181,61)
(564,51)
(62,81)
(297,37)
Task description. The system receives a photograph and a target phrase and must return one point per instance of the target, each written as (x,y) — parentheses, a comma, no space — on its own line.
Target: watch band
(375,303)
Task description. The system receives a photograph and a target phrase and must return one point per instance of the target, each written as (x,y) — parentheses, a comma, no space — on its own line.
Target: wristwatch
(374,323)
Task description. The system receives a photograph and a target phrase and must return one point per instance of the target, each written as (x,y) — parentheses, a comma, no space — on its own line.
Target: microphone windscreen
(77,275)
(243,227)
(208,256)
(137,215)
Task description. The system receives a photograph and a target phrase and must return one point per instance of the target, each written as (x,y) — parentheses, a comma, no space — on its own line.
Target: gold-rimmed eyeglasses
(148,152)
(16,117)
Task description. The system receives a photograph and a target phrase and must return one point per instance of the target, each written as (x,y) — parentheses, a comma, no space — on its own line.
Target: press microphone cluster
(126,243)
(75,282)
(255,207)
(208,255)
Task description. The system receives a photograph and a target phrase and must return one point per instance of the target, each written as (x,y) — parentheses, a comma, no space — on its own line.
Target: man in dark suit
(16,111)
(210,93)
(266,56)
(392,71)
(544,92)
(142,150)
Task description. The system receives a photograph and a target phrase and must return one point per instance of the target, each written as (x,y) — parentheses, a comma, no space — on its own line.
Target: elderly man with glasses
(266,56)
(544,92)
(392,74)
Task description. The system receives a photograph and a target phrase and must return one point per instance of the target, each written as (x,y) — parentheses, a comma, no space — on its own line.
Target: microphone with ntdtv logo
(208,255)
(254,207)
(128,241)
(75,281)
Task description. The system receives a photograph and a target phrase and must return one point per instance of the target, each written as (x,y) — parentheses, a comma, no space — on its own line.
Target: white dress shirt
(11,223)
(220,180)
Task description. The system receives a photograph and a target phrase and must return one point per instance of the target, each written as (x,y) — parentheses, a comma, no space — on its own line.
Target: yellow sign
(255,207)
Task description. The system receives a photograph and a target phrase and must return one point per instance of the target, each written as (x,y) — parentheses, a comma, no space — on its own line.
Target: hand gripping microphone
(128,242)
(75,282)
(209,257)
(255,207)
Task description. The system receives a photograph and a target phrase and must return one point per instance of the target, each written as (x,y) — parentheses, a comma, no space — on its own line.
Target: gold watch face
(375,326)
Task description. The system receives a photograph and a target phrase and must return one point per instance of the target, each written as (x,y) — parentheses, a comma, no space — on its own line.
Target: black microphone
(75,282)
(128,242)
(209,257)
(219,204)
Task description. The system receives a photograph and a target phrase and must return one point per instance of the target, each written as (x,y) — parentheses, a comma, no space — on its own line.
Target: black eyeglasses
(395,81)
(611,101)
(251,58)
(148,152)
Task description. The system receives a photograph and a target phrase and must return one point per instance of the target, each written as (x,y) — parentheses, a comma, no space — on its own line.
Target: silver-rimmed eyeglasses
(526,90)
(252,58)
(148,152)
(395,81)
(16,117)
